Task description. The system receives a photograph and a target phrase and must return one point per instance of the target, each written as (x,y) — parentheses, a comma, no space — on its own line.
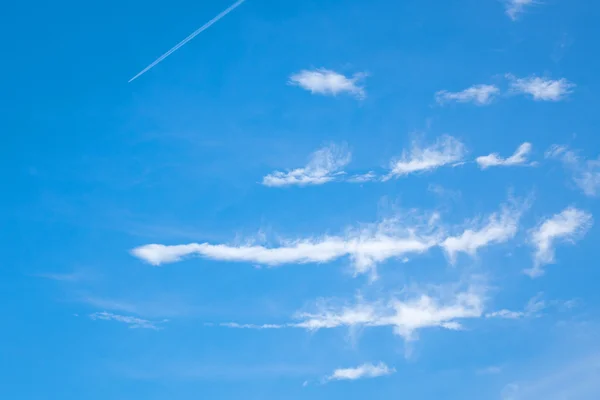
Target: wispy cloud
(518,158)
(446,150)
(133,322)
(532,308)
(499,228)
(366,247)
(327,82)
(323,166)
(72,277)
(541,89)
(443,307)
(478,94)
(367,370)
(362,178)
(514,8)
(567,226)
(586,173)
(190,37)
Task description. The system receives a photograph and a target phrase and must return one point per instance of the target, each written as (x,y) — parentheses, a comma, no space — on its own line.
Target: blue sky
(322,199)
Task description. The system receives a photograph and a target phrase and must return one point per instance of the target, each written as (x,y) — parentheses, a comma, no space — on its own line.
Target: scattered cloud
(443,307)
(64,277)
(566,226)
(586,173)
(514,8)
(491,370)
(541,89)
(329,83)
(446,150)
(363,371)
(478,94)
(362,178)
(133,322)
(518,158)
(533,307)
(323,166)
(366,247)
(499,228)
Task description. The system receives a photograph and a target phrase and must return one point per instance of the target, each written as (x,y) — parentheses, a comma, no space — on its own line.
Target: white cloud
(566,226)
(366,247)
(586,173)
(478,94)
(444,308)
(541,88)
(500,228)
(445,151)
(327,82)
(366,370)
(494,160)
(323,166)
(133,322)
(362,178)
(514,8)
(532,308)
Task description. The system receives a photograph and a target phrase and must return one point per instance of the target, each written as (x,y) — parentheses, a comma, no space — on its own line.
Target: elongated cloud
(514,8)
(323,166)
(367,370)
(494,159)
(445,151)
(586,173)
(567,226)
(133,322)
(366,248)
(499,228)
(442,309)
(328,83)
(190,37)
(541,89)
(532,308)
(478,94)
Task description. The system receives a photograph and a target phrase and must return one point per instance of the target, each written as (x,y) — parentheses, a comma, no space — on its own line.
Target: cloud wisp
(518,158)
(477,94)
(366,247)
(586,173)
(532,309)
(499,228)
(324,165)
(446,150)
(132,322)
(514,8)
(567,226)
(443,307)
(367,370)
(190,37)
(329,83)
(541,89)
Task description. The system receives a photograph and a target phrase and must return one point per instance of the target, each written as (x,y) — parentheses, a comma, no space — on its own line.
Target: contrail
(187,39)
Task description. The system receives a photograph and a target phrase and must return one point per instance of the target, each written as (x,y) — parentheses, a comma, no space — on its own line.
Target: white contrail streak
(187,39)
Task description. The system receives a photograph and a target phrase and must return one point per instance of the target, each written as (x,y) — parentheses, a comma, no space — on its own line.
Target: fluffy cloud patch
(494,159)
(323,166)
(514,8)
(541,89)
(478,94)
(363,371)
(446,150)
(133,322)
(499,228)
(566,226)
(366,247)
(327,82)
(586,173)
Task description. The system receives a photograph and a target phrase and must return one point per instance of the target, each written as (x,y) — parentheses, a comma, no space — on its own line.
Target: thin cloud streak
(190,37)
(367,370)
(518,158)
(133,322)
(478,94)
